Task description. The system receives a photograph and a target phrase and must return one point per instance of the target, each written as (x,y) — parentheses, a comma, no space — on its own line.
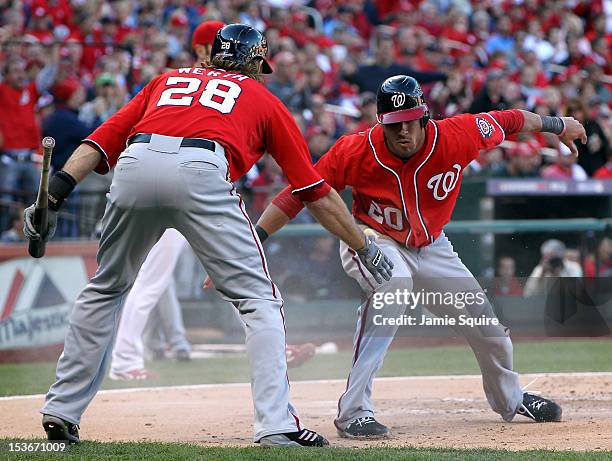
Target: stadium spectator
(605,172)
(451,98)
(601,265)
(367,118)
(109,100)
(523,161)
(368,77)
(552,264)
(319,142)
(593,154)
(502,40)
(19,128)
(63,122)
(490,97)
(572,254)
(565,166)
(506,283)
(286,84)
(15,233)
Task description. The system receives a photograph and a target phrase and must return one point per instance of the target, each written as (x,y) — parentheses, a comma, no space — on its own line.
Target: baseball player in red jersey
(176,147)
(154,284)
(405,174)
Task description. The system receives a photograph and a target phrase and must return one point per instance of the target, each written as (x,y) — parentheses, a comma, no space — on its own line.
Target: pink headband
(405,115)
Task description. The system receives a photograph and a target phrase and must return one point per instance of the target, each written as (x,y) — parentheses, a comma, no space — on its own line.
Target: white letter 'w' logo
(447,181)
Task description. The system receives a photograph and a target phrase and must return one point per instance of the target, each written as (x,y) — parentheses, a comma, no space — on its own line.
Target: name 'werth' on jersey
(230,108)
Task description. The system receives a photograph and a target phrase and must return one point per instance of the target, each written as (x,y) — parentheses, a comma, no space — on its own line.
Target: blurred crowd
(68,65)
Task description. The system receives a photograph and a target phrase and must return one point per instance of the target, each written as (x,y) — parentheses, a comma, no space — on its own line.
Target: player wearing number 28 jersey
(230,108)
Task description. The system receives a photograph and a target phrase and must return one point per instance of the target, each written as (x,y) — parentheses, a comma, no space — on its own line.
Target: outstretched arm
(332,213)
(329,210)
(567,128)
(272,220)
(521,121)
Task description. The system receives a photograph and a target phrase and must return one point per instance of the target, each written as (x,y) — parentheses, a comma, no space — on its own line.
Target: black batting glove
(375,261)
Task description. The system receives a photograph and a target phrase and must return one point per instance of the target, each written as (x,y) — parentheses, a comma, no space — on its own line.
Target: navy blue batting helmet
(400,99)
(240,43)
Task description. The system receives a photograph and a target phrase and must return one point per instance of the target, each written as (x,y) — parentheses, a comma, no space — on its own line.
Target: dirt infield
(446,412)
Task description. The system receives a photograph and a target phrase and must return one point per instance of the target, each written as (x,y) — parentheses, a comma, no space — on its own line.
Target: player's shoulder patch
(485,127)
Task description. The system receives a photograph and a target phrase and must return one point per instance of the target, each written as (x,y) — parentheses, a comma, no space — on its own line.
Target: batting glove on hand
(375,261)
(28,224)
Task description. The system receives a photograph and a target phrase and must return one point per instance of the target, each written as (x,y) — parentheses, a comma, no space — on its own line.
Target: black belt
(186,142)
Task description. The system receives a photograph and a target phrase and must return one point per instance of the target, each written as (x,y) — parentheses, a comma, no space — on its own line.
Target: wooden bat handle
(37,248)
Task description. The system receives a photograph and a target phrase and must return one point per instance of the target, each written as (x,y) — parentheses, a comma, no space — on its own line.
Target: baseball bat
(37,248)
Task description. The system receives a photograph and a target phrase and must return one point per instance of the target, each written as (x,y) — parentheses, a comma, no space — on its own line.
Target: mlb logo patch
(485,127)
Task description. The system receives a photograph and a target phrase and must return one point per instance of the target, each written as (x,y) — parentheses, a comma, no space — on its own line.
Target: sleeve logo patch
(485,127)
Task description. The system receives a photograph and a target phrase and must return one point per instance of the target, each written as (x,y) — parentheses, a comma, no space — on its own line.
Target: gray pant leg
(131,226)
(215,224)
(94,319)
(442,271)
(371,341)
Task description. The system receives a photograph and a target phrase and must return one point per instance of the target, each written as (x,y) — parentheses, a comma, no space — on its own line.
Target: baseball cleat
(303,438)
(139,374)
(364,428)
(60,430)
(539,409)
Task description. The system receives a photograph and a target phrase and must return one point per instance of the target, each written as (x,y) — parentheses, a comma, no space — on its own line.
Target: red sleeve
(110,137)
(331,166)
(288,203)
(285,143)
(468,134)
(511,121)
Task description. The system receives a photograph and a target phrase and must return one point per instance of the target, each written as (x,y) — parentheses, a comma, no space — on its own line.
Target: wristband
(261,233)
(60,187)
(554,125)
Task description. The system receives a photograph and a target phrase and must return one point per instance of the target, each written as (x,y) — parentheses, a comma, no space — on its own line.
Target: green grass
(174,451)
(547,356)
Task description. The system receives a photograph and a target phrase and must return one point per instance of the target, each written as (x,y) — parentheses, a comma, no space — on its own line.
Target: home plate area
(422,411)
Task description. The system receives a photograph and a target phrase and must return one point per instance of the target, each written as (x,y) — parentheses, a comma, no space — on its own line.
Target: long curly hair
(251,69)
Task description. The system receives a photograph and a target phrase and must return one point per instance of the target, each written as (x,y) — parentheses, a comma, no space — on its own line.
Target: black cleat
(59,430)
(303,438)
(539,409)
(364,428)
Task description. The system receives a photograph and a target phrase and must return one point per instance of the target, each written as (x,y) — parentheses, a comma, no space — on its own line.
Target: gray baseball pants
(160,185)
(435,268)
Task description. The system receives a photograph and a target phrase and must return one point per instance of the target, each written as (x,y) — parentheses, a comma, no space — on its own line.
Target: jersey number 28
(218,94)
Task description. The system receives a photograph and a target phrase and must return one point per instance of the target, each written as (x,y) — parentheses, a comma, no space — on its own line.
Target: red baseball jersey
(409,200)
(232,109)
(18,124)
